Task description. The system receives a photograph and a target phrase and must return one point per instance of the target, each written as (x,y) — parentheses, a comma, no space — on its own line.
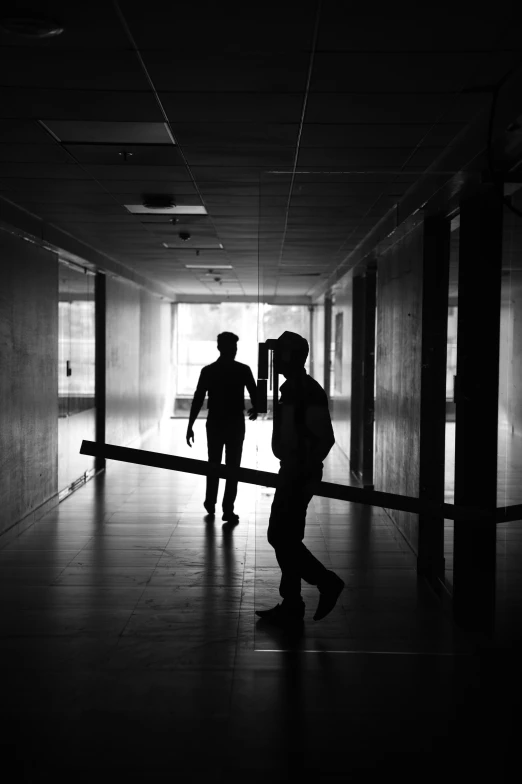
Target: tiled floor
(131,651)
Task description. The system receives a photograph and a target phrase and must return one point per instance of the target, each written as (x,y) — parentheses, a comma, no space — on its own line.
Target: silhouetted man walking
(302,437)
(225,381)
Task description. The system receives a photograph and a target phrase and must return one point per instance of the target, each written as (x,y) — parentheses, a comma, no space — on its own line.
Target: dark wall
(398,374)
(28,379)
(138,361)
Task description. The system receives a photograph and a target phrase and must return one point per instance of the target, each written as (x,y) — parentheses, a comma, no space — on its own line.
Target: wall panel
(138,367)
(341,383)
(398,374)
(155,360)
(318,340)
(28,379)
(122,368)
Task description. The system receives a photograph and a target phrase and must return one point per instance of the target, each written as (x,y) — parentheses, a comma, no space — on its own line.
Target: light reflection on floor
(131,644)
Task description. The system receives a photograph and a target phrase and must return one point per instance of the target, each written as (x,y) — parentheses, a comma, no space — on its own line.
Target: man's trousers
(227,433)
(286,531)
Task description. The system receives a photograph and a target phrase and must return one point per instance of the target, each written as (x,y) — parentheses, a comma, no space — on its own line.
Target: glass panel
(451,370)
(76,373)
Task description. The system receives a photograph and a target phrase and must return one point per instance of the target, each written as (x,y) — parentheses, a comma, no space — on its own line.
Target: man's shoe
(230,517)
(210,508)
(328,595)
(283,615)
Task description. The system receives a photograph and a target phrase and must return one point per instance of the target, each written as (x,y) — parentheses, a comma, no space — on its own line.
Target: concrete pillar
(100,362)
(480,265)
(327,343)
(435,283)
(363,376)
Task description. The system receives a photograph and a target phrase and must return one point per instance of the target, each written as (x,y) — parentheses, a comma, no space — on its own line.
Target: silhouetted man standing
(302,437)
(225,381)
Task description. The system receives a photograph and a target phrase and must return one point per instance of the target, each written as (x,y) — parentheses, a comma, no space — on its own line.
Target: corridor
(131,650)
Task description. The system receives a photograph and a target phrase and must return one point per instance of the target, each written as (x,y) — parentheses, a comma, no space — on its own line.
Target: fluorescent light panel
(209,266)
(192,247)
(190,209)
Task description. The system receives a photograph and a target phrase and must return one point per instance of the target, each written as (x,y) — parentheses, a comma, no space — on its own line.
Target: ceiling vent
(158,201)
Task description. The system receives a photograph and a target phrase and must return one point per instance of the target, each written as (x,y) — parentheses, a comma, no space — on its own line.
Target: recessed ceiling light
(209,267)
(190,209)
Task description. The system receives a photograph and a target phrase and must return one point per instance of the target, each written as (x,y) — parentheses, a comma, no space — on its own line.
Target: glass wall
(76,373)
(198,326)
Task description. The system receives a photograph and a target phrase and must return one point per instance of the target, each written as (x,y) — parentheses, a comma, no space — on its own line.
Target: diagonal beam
(252,476)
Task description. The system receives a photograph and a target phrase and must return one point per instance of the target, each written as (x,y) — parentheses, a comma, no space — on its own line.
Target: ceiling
(296,129)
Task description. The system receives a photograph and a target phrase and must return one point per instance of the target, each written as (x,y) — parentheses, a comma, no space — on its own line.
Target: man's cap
(227,337)
(294,343)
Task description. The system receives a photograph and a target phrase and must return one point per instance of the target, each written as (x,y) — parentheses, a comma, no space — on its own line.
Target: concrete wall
(398,374)
(515,394)
(510,370)
(138,361)
(28,381)
(341,392)
(318,342)
(138,375)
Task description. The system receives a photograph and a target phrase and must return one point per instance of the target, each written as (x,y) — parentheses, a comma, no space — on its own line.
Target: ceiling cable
(166,120)
(299,134)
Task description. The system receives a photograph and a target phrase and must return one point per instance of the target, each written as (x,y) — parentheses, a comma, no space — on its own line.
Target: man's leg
(233,451)
(285,533)
(215,453)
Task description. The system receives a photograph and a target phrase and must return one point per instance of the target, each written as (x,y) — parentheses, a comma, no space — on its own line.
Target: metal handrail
(253,476)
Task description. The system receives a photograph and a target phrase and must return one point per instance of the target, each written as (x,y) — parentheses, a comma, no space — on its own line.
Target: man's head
(227,345)
(291,354)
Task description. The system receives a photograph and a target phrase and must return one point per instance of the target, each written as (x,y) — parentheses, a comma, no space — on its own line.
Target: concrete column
(356,404)
(435,283)
(327,342)
(370,297)
(363,376)
(100,363)
(480,265)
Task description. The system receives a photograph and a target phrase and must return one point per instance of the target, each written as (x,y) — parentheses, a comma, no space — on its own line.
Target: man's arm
(197,402)
(319,424)
(252,391)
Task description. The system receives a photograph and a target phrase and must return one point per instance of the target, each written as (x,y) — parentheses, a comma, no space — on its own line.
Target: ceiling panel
(398,28)
(239,72)
(113,132)
(237,134)
(376,135)
(232,107)
(19,131)
(127,156)
(86,70)
(396,108)
(384,104)
(59,104)
(34,153)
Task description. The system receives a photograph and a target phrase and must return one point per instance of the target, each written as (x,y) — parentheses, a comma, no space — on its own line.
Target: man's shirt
(302,426)
(224,381)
